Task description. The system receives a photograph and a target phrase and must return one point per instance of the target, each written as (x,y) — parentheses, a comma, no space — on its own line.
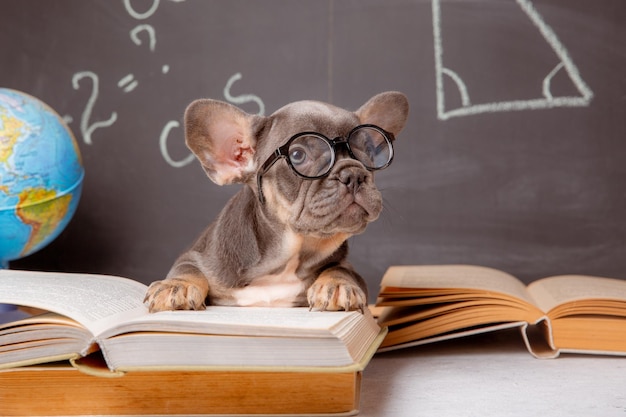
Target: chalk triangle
(478,83)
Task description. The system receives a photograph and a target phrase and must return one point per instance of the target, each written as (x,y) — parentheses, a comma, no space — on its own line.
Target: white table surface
(491,375)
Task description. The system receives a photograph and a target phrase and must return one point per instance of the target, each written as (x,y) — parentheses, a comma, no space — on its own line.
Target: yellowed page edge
(451,336)
(455,276)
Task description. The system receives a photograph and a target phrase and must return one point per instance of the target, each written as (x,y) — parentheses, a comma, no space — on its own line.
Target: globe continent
(41,175)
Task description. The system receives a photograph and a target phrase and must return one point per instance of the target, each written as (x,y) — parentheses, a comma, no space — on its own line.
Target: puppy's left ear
(223,138)
(387,110)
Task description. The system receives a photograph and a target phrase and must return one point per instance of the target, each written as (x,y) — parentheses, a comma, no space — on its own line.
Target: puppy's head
(322,183)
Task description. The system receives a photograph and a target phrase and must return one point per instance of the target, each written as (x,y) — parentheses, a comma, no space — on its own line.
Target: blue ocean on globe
(41,175)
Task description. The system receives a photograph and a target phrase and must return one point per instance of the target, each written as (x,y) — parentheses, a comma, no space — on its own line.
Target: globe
(41,175)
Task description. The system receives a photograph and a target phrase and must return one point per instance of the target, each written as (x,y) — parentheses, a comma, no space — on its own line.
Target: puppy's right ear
(223,139)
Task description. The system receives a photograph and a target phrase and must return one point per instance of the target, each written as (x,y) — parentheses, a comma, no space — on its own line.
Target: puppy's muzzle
(353,178)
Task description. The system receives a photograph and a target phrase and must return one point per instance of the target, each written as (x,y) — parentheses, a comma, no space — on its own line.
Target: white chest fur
(277,290)
(285,289)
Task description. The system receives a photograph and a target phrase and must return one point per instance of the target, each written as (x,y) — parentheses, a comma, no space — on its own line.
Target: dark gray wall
(513,156)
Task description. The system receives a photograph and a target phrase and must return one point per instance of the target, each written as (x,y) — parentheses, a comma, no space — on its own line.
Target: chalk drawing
(87,129)
(144,28)
(244,98)
(547,101)
(128,83)
(163,146)
(465,100)
(141,16)
(546,82)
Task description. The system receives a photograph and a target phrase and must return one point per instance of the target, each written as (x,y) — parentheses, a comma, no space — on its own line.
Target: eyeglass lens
(313,156)
(370,147)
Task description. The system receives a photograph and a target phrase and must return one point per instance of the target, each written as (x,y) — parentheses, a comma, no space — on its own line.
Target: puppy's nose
(352,178)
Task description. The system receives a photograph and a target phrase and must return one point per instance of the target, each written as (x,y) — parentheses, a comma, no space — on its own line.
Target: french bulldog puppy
(308,182)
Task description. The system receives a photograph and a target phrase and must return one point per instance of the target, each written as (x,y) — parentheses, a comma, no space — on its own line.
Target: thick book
(567,313)
(275,353)
(96,312)
(87,387)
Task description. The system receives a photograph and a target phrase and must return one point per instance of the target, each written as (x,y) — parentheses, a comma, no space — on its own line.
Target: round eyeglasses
(312,155)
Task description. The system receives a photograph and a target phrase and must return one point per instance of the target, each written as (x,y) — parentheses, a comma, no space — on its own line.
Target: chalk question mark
(128,83)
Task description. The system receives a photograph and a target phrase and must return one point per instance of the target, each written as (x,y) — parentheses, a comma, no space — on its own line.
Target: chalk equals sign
(128,83)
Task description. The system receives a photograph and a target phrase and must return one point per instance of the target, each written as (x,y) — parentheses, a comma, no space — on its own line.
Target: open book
(572,313)
(85,313)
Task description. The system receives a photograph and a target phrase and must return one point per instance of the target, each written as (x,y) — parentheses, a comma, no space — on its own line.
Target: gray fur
(298,235)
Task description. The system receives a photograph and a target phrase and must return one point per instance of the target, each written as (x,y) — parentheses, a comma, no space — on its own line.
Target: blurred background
(513,155)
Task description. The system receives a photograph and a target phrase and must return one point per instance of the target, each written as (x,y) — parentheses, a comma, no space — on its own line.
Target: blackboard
(513,156)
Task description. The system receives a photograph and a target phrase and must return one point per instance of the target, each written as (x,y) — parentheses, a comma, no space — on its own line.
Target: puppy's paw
(330,293)
(174,294)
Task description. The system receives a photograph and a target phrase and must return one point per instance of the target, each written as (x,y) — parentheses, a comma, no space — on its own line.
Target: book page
(548,293)
(457,277)
(94,301)
(248,321)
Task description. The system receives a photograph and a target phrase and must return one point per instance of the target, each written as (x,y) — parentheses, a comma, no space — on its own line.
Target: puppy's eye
(297,155)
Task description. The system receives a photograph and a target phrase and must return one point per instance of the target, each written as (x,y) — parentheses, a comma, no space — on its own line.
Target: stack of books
(85,344)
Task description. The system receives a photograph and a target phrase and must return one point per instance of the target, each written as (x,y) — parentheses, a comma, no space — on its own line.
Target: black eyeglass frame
(282,152)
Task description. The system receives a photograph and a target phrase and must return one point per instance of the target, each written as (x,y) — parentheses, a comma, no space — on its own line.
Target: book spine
(538,339)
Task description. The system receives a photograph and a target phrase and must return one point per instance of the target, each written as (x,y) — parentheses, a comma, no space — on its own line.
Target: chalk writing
(127,83)
(87,129)
(141,16)
(163,146)
(144,28)
(244,98)
(548,100)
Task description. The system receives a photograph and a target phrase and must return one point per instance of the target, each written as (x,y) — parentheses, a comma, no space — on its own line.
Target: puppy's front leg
(182,292)
(338,288)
